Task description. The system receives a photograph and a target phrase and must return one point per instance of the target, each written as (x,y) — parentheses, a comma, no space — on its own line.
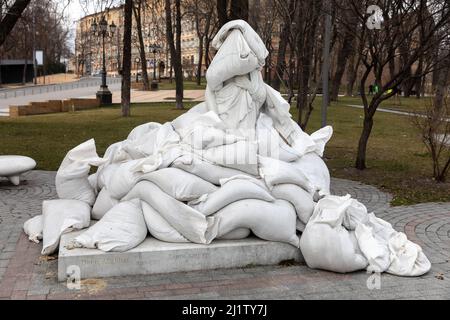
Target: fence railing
(27,91)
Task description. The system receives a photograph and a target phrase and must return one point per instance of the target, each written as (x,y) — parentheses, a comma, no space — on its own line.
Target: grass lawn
(397,160)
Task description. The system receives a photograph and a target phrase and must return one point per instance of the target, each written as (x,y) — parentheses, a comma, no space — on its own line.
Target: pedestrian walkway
(139,96)
(24,274)
(401,113)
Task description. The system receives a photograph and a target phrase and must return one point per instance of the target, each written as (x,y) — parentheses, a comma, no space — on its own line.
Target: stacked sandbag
(234,165)
(342,237)
(60,217)
(33,228)
(72,177)
(121,229)
(232,190)
(272,221)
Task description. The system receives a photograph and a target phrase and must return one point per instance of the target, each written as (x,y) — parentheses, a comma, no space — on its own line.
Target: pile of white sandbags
(342,237)
(233,166)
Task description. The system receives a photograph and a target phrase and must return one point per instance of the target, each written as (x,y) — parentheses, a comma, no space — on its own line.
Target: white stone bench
(12,167)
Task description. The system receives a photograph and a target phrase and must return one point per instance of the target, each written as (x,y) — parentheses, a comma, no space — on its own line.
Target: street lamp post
(137,60)
(154,48)
(101,30)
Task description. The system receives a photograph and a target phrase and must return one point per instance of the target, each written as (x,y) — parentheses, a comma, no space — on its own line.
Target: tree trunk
(138,18)
(442,81)
(239,10)
(24,75)
(281,57)
(200,61)
(175,49)
(126,65)
(363,140)
(222,12)
(12,16)
(342,58)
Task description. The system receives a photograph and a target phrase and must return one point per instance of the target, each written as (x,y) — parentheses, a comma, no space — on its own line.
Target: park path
(24,274)
(139,96)
(88,90)
(25,95)
(400,113)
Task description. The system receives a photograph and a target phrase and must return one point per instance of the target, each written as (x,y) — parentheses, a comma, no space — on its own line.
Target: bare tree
(11,13)
(174,42)
(126,65)
(422,22)
(228,10)
(138,8)
(434,128)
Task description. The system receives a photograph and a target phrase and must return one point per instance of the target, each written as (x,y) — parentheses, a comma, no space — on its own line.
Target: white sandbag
(179,184)
(238,234)
(93,181)
(204,169)
(316,171)
(277,108)
(159,227)
(188,118)
(142,130)
(230,191)
(188,122)
(207,137)
(115,154)
(233,58)
(158,140)
(190,223)
(272,221)
(62,216)
(228,103)
(321,138)
(72,177)
(407,258)
(251,37)
(33,228)
(388,250)
(103,204)
(276,172)
(270,143)
(326,244)
(123,179)
(159,160)
(241,156)
(104,174)
(301,200)
(121,229)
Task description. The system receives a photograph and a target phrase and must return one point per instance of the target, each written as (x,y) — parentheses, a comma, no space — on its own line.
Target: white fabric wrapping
(302,201)
(121,229)
(179,184)
(232,165)
(190,223)
(33,228)
(72,177)
(354,240)
(159,227)
(230,191)
(103,204)
(273,221)
(204,169)
(326,244)
(60,217)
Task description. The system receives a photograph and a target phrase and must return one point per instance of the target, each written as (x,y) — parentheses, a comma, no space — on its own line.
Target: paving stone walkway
(24,274)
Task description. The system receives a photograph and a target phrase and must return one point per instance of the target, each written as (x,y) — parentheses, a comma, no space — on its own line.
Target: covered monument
(230,167)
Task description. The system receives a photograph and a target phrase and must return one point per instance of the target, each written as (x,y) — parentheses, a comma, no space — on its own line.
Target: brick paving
(24,274)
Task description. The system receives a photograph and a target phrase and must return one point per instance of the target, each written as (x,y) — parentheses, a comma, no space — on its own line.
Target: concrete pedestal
(153,257)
